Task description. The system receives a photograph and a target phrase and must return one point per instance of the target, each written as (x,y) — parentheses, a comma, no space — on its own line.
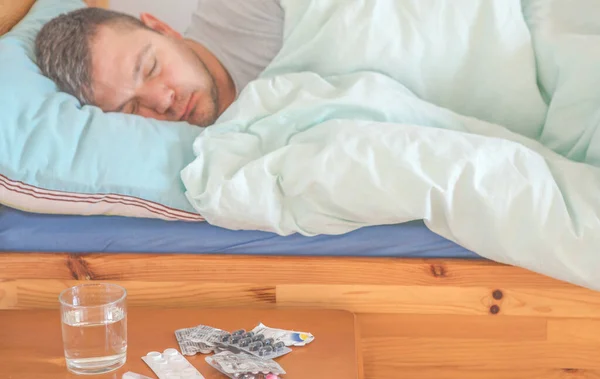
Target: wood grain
(501,354)
(489,328)
(426,300)
(494,345)
(291,269)
(11,12)
(43,294)
(574,331)
(417,318)
(442,300)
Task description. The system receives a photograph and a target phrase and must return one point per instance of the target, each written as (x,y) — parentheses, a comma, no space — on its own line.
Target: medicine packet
(241,365)
(198,339)
(170,365)
(205,334)
(288,337)
(241,341)
(189,347)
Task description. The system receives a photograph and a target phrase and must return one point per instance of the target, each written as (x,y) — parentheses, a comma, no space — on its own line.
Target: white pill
(170,352)
(154,355)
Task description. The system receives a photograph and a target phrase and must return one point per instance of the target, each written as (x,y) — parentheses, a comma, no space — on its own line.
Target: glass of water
(94,327)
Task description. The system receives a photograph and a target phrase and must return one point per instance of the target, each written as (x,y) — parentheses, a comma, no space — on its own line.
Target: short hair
(62,47)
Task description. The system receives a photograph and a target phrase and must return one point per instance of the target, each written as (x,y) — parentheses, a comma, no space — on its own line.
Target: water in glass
(94,336)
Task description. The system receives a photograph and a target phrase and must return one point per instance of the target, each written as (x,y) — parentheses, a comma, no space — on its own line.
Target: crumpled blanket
(479,117)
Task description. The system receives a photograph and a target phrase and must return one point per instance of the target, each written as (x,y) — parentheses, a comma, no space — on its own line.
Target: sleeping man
(143,66)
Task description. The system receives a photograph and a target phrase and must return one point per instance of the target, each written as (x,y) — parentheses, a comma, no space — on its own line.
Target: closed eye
(153,69)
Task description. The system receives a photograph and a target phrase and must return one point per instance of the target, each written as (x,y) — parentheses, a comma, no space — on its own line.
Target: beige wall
(98,3)
(176,13)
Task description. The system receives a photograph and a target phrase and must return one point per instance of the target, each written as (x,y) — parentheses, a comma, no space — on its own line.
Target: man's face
(154,75)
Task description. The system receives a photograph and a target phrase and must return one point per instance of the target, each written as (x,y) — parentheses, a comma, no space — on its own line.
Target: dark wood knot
(79,267)
(494,309)
(438,271)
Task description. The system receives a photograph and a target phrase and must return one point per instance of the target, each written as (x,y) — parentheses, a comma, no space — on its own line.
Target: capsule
(269,342)
(265,351)
(255,346)
(245,342)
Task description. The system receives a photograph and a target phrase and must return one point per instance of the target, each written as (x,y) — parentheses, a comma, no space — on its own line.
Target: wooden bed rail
(420,318)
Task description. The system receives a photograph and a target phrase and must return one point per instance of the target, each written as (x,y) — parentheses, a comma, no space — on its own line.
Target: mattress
(20,231)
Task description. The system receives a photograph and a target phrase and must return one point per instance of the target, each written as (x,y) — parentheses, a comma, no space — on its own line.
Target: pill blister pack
(199,339)
(288,337)
(254,344)
(170,364)
(262,341)
(240,354)
(202,334)
(243,366)
(188,343)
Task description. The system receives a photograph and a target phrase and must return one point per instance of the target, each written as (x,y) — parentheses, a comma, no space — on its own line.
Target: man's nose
(158,97)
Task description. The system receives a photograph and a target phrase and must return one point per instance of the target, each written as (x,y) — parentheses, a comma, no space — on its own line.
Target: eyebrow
(136,71)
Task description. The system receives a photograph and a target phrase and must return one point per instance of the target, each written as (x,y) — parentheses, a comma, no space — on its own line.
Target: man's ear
(158,25)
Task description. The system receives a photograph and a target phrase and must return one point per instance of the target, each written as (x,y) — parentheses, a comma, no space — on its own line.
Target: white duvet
(479,117)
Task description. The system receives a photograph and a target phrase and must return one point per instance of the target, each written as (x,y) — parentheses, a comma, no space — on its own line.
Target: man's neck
(223,80)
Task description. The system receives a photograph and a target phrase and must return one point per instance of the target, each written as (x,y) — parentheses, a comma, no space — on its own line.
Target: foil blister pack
(241,354)
(244,366)
(170,364)
(199,339)
(241,341)
(262,341)
(288,337)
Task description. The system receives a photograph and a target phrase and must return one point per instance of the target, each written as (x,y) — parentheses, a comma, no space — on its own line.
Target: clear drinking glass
(94,327)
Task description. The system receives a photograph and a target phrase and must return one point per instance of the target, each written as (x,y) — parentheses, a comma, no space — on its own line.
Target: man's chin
(201,123)
(198,118)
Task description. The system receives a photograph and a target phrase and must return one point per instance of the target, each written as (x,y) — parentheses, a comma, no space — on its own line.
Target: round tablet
(170,352)
(154,355)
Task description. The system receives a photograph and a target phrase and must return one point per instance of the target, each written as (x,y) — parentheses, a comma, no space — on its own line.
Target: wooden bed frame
(419,318)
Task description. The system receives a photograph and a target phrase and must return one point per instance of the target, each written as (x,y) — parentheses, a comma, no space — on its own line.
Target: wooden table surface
(31,341)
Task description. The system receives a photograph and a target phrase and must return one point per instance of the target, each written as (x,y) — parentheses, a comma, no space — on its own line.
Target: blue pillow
(59,157)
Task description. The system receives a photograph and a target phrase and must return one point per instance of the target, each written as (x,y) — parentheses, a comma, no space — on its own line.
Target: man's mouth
(190,107)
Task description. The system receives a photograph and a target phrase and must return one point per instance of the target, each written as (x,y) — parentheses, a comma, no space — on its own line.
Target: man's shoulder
(244,9)
(242,19)
(245,35)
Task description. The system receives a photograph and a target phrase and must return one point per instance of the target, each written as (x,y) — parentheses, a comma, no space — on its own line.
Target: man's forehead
(114,59)
(112,40)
